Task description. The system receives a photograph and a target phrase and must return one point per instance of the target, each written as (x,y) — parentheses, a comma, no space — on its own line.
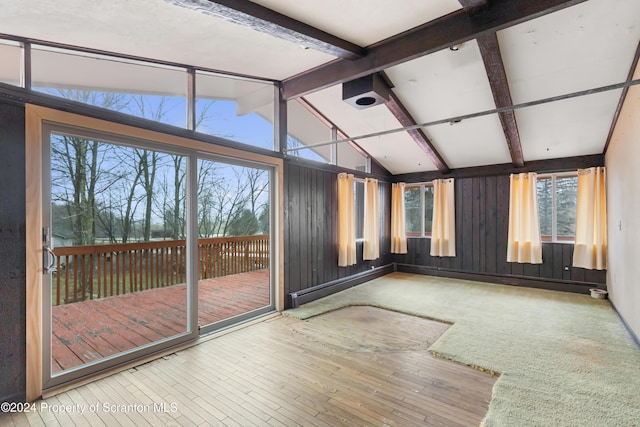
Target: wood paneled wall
(12,254)
(310,229)
(482,214)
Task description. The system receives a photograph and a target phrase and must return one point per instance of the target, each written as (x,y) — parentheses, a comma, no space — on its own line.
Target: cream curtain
(398,236)
(346,221)
(590,249)
(524,244)
(370,232)
(443,226)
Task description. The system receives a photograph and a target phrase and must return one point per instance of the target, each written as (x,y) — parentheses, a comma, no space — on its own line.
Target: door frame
(273,291)
(35,116)
(191,332)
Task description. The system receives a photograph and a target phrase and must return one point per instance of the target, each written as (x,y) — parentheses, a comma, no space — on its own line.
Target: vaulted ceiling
(442,58)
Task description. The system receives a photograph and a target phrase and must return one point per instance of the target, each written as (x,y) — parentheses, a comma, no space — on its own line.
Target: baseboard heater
(504,279)
(319,291)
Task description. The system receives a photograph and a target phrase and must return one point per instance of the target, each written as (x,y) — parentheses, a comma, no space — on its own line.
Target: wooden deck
(89,330)
(356,366)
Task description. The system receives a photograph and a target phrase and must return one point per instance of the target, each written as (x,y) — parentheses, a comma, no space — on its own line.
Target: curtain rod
(478,114)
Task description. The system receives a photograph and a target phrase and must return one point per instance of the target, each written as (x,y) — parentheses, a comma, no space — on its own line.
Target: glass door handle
(49,260)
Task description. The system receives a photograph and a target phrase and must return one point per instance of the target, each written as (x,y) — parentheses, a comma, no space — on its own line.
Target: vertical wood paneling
(517,269)
(457,261)
(319,229)
(577,274)
(567,260)
(475,217)
(331,231)
(482,215)
(482,232)
(13,254)
(311,229)
(546,269)
(293,179)
(467,224)
(532,270)
(491,225)
(595,276)
(502,224)
(557,262)
(305,228)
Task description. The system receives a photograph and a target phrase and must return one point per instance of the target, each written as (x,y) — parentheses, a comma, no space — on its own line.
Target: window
(235,109)
(557,206)
(11,63)
(304,128)
(349,157)
(153,92)
(418,199)
(307,127)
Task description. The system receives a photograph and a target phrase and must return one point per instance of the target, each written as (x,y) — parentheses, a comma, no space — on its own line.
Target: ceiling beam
(455,28)
(623,96)
(260,18)
(490,51)
(400,112)
(540,166)
(473,6)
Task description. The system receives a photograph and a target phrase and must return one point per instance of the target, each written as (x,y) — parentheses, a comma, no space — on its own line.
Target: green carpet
(563,359)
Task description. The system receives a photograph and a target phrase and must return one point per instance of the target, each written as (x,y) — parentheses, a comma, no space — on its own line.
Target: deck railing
(90,272)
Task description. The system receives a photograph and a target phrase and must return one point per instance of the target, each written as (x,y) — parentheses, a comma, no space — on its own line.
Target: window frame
(424,234)
(553,238)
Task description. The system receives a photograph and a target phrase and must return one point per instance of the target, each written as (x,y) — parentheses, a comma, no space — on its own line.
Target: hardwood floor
(354,366)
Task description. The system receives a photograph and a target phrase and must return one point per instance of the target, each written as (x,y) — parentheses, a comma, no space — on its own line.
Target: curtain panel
(443,225)
(590,249)
(398,234)
(346,221)
(524,245)
(371,221)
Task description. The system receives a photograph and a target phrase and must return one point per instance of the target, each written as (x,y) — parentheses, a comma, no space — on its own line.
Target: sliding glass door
(116,255)
(145,246)
(234,245)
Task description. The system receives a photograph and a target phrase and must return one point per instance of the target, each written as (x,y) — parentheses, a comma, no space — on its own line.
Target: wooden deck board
(89,330)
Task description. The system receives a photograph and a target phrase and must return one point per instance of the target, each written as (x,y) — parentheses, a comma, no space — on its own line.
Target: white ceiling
(158,30)
(580,47)
(363,22)
(448,84)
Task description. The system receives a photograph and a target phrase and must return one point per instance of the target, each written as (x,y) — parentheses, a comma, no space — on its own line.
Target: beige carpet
(564,359)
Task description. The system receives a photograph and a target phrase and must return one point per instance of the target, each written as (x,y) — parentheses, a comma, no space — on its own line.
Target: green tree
(566,196)
(263,220)
(412,209)
(545,205)
(244,223)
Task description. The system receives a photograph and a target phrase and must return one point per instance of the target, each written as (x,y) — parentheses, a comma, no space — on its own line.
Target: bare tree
(148,167)
(76,169)
(179,198)
(258,181)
